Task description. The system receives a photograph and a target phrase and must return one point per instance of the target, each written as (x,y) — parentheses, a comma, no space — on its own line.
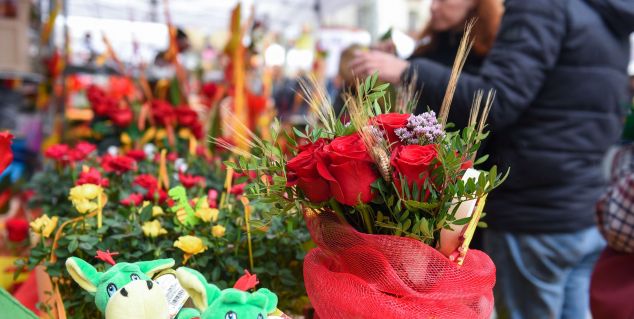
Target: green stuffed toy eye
(111,289)
(231,315)
(135,277)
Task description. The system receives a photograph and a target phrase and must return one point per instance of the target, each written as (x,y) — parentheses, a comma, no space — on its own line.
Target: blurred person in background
(440,39)
(559,70)
(347,80)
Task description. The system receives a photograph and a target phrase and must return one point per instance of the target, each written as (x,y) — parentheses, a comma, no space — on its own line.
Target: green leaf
(146,213)
(461,221)
(421,205)
(481,160)
(299,133)
(406,225)
(73,245)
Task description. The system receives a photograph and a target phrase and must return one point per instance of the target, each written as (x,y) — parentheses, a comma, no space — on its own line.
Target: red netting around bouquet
(354,275)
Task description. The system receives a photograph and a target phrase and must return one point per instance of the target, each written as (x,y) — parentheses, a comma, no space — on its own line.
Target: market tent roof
(208,15)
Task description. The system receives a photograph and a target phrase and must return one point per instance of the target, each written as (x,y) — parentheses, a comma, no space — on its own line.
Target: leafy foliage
(279,245)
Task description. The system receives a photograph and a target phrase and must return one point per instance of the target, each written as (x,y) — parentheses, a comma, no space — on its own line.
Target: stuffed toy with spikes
(126,290)
(230,303)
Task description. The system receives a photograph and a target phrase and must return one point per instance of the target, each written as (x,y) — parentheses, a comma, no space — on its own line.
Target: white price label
(175,294)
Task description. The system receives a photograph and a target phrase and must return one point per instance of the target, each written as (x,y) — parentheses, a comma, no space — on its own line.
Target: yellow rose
(44,225)
(91,191)
(184,133)
(85,206)
(201,202)
(218,231)
(207,214)
(190,245)
(86,191)
(84,197)
(161,134)
(125,139)
(153,229)
(76,194)
(157,211)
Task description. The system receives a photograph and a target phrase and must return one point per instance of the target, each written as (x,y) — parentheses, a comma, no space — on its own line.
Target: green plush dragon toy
(181,206)
(230,303)
(126,290)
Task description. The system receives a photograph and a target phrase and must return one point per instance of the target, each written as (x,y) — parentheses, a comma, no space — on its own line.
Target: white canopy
(209,15)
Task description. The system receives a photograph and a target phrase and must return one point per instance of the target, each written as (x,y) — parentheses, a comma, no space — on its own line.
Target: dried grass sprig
(407,96)
(461,57)
(315,95)
(487,109)
(360,117)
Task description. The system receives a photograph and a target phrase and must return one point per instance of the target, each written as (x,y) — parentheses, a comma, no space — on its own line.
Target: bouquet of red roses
(391,199)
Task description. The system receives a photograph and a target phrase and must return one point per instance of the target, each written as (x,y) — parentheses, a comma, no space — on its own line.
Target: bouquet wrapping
(356,275)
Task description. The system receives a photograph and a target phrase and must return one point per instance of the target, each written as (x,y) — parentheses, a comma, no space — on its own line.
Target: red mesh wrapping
(356,275)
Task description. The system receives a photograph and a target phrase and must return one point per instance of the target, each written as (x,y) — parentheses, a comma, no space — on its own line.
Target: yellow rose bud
(184,133)
(153,229)
(161,134)
(207,214)
(44,225)
(190,245)
(125,139)
(218,231)
(157,211)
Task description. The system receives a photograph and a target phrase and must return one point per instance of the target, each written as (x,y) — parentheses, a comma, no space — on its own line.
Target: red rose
(414,164)
(237,189)
(190,181)
(197,130)
(390,122)
(85,148)
(348,168)
(163,113)
(122,117)
(170,157)
(6,155)
(92,176)
(210,89)
(186,116)
(101,104)
(57,152)
(133,200)
(146,181)
(137,155)
(117,164)
(212,198)
(302,171)
(17,229)
(81,151)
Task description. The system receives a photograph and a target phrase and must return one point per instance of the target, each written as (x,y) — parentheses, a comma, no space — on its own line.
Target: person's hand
(389,67)
(386,46)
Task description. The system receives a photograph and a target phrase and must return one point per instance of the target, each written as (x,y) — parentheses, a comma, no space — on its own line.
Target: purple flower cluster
(421,129)
(377,133)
